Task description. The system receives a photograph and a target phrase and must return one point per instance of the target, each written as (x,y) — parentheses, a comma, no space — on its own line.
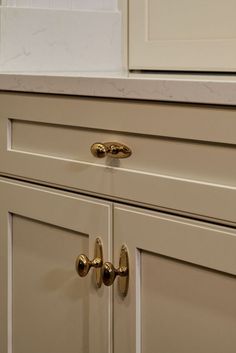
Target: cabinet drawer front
(181,154)
(182,284)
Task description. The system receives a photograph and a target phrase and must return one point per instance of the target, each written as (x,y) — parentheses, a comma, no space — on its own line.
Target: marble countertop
(191,88)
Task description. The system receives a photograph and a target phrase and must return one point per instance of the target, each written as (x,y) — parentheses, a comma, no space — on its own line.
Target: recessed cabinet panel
(50,302)
(182,284)
(185,308)
(182,35)
(190,19)
(46,307)
(181,158)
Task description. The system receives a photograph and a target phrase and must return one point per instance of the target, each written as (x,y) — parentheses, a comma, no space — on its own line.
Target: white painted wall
(64,4)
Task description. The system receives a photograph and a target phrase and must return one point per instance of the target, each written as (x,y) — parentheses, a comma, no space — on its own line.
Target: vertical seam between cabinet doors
(10,284)
(138,279)
(112,348)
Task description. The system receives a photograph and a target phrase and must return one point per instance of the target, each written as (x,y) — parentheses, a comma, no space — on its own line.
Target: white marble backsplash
(35,40)
(64,4)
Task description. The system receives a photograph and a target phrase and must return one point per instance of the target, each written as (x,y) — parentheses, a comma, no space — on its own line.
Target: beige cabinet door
(45,306)
(182,35)
(182,289)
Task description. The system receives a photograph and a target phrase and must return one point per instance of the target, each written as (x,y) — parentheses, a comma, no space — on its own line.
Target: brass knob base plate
(98,253)
(123,281)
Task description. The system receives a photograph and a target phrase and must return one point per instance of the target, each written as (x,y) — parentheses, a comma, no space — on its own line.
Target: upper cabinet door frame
(69,212)
(186,35)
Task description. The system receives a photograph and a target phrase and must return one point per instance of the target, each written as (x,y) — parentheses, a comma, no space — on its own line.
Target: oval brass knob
(110,272)
(83,264)
(111,149)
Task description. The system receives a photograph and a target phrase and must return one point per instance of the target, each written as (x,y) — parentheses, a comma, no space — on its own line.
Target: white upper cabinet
(183,35)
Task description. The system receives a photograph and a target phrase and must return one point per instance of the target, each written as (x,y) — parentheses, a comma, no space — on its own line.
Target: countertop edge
(208,89)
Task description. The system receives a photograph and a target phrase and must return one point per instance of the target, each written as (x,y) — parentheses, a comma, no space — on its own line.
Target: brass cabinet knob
(110,272)
(83,264)
(111,149)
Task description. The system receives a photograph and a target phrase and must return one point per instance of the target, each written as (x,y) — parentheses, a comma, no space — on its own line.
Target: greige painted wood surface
(182,35)
(182,276)
(182,285)
(182,154)
(45,306)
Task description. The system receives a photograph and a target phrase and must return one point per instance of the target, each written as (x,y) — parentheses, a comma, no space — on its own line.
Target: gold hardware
(83,264)
(111,149)
(110,272)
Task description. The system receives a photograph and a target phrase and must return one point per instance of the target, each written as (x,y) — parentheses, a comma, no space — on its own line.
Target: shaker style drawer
(181,155)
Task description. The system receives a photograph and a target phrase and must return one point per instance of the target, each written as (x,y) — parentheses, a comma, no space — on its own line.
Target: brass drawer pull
(83,264)
(110,272)
(111,149)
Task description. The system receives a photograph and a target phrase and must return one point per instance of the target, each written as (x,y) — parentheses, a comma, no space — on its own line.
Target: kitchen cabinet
(182,284)
(181,277)
(182,35)
(45,306)
(47,138)
(165,203)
